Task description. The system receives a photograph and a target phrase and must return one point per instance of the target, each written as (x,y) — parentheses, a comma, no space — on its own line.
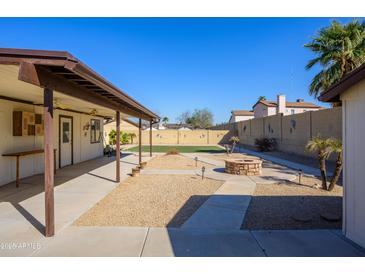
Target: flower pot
(135,172)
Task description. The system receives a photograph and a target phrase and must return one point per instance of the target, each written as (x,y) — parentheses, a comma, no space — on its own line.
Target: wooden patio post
(151,138)
(117,150)
(140,140)
(48,162)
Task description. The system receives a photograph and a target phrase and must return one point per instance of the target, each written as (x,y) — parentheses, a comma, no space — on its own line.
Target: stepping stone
(302,217)
(330,216)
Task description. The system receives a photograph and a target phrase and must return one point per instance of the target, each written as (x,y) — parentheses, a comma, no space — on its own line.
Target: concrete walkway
(162,242)
(307,170)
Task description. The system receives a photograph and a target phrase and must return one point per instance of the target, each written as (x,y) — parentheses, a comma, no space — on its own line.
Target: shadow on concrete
(34,185)
(187,210)
(214,234)
(219,169)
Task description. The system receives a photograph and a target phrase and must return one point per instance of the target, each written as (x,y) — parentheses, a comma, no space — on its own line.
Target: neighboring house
(52,108)
(240,115)
(264,108)
(178,126)
(351,91)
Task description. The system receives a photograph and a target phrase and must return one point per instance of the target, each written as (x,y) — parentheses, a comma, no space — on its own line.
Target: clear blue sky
(176,64)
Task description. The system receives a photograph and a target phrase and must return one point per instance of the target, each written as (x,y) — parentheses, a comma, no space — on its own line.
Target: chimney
(281,104)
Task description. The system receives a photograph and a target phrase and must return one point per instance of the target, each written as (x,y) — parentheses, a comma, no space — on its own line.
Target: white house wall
(83,149)
(353,111)
(260,110)
(239,118)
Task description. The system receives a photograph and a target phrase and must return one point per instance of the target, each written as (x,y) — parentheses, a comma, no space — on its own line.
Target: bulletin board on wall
(27,123)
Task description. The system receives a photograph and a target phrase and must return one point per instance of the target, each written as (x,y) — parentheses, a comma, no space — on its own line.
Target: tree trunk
(322,167)
(233,146)
(337,172)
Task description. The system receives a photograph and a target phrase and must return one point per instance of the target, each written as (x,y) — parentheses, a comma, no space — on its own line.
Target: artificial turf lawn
(181,149)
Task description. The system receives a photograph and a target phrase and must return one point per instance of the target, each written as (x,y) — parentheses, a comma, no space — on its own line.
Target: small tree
(165,120)
(112,137)
(124,137)
(234,140)
(261,98)
(336,147)
(184,117)
(201,118)
(322,147)
(132,136)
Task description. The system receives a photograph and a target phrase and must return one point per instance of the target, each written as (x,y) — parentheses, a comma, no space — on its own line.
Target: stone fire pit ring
(248,166)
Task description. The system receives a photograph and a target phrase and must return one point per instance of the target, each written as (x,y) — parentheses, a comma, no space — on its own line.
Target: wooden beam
(140,140)
(117,150)
(48,162)
(151,138)
(38,75)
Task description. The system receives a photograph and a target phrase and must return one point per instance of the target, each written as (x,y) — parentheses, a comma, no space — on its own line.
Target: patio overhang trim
(63,72)
(334,92)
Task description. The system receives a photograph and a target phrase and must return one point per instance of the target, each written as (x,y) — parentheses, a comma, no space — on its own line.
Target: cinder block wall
(183,137)
(292,132)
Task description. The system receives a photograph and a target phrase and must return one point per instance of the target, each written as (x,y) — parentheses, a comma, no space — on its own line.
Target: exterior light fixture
(300,174)
(203,170)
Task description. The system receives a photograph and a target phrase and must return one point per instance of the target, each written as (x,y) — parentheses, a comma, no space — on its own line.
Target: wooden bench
(25,153)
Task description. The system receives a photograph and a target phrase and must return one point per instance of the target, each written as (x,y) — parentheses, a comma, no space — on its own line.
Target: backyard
(170,189)
(181,149)
(154,200)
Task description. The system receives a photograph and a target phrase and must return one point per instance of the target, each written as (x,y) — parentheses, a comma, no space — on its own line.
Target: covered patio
(77,188)
(55,84)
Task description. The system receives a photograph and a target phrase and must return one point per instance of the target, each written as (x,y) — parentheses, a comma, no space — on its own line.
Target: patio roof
(332,94)
(64,73)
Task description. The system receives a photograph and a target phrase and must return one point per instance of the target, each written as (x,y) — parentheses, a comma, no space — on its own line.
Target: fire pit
(247,167)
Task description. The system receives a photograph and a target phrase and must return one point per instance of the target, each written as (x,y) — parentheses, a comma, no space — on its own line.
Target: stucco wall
(182,137)
(260,110)
(34,164)
(292,132)
(353,104)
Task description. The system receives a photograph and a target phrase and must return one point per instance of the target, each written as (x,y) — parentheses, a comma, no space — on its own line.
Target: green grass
(181,149)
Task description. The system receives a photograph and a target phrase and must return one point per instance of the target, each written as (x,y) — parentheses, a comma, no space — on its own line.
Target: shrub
(265,144)
(172,151)
(124,137)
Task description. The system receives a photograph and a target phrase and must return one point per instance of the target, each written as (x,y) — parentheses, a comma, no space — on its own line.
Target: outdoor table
(25,153)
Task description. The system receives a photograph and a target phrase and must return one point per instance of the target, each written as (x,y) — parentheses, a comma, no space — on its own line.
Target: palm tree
(132,136)
(262,98)
(336,147)
(339,49)
(165,120)
(321,146)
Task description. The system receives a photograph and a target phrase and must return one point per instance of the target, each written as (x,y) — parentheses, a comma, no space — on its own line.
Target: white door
(65,141)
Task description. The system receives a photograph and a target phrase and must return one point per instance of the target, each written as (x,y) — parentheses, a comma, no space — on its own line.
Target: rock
(301,217)
(330,216)
(316,186)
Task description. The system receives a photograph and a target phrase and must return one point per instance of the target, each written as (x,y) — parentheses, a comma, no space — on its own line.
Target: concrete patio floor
(77,189)
(81,186)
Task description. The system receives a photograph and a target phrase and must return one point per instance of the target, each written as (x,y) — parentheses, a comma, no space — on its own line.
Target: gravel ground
(174,162)
(293,206)
(151,201)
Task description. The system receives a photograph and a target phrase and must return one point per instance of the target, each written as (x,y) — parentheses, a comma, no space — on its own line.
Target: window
(65,132)
(95,133)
